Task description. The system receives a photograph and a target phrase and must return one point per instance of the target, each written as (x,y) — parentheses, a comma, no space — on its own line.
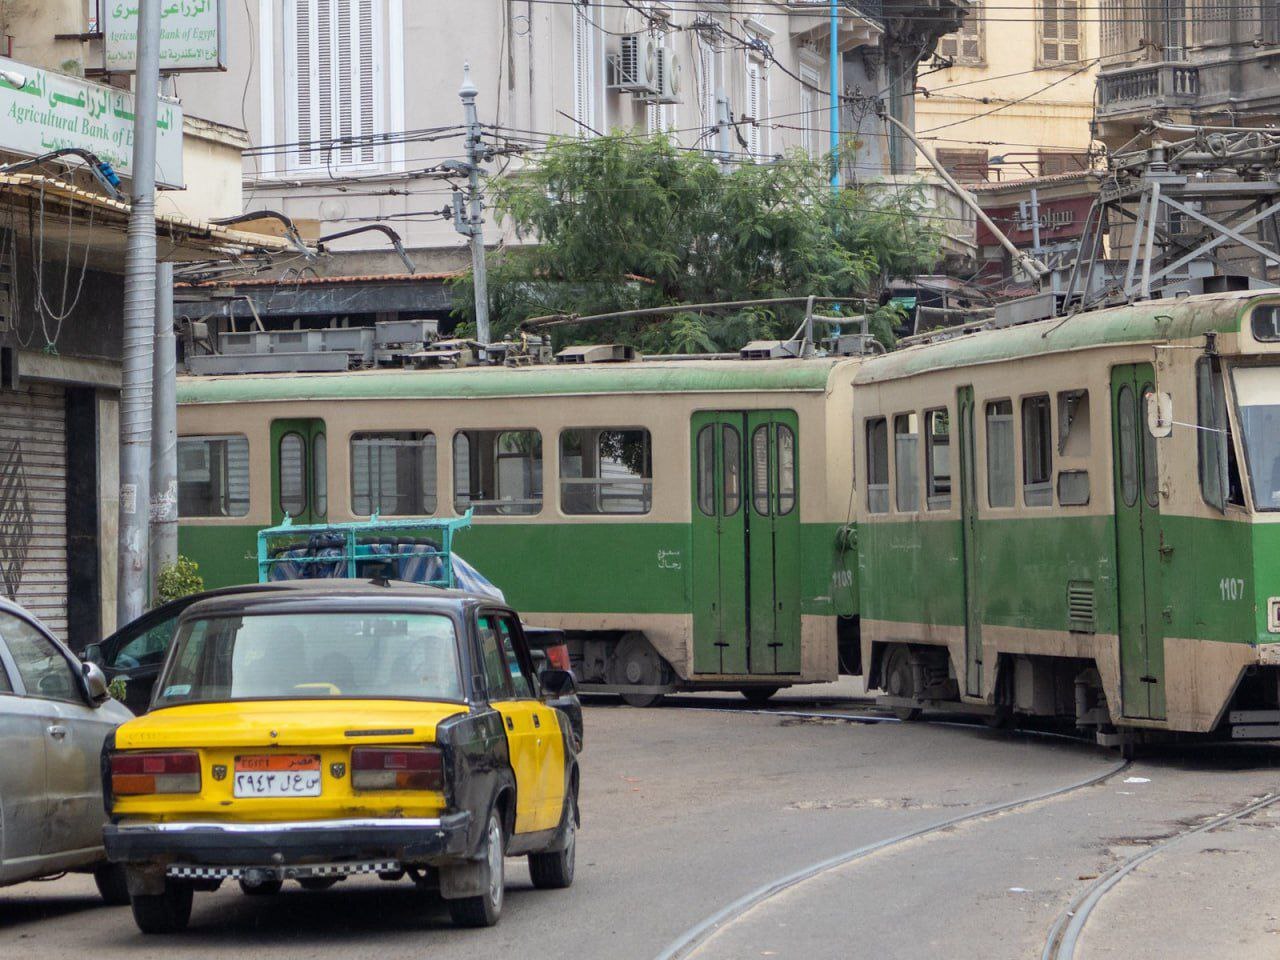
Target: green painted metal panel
(481,382)
(1139,540)
(969,541)
(773,542)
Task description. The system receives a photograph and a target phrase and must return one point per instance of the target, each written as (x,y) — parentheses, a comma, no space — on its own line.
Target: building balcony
(859,23)
(1137,91)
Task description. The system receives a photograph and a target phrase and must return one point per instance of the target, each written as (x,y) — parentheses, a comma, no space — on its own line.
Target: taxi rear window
(313,656)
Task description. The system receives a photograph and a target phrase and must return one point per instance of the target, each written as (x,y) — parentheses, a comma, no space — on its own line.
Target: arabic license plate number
(277,775)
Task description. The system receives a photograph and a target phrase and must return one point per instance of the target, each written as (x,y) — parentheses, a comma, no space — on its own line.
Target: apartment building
(1017,100)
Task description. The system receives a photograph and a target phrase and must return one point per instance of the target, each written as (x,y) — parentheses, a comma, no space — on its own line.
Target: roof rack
(419,551)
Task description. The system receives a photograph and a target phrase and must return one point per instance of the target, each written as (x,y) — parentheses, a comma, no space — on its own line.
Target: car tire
(113,887)
(554,870)
(317,883)
(485,909)
(268,888)
(167,912)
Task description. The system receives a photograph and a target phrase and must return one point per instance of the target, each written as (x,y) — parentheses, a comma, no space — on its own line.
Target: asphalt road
(689,807)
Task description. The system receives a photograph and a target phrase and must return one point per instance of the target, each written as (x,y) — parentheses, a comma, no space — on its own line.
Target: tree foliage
(621,222)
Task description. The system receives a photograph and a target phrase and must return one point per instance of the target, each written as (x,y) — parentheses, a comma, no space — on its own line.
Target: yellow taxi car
(338,728)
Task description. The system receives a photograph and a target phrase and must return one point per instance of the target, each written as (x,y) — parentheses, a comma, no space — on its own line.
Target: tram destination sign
(192,35)
(43,111)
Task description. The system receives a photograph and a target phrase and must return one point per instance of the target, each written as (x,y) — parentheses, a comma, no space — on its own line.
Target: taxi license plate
(277,775)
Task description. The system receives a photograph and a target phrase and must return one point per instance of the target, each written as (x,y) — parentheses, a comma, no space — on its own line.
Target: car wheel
(554,870)
(166,912)
(759,696)
(484,910)
(317,883)
(267,888)
(112,885)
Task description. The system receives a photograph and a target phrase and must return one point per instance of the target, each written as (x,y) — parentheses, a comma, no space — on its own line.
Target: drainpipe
(835,95)
(164,431)
(139,327)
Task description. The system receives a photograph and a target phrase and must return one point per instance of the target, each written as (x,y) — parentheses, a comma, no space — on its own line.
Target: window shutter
(753,110)
(323,112)
(707,84)
(583,72)
(368,119)
(305,78)
(809,119)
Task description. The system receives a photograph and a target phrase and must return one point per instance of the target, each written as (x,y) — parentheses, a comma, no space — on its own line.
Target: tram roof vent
(598,353)
(776,349)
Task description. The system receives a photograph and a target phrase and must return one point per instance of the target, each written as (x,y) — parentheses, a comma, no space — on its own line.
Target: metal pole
(835,95)
(139,326)
(471,224)
(722,127)
(164,431)
(1035,223)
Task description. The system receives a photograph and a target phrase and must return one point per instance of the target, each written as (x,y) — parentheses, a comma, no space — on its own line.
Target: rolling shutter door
(33,501)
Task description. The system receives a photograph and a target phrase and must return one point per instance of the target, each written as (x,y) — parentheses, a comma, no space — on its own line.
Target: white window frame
(320,163)
(812,109)
(757,89)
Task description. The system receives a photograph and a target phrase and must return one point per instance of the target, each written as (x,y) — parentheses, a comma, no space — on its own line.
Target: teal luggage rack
(420,551)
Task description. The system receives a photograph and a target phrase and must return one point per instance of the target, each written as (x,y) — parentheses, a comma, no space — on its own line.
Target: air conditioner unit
(667,79)
(636,65)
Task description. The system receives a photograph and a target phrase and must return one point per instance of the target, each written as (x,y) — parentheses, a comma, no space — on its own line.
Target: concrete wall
(1054,116)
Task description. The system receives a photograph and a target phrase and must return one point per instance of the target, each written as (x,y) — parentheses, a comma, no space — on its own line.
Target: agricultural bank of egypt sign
(192,35)
(50,111)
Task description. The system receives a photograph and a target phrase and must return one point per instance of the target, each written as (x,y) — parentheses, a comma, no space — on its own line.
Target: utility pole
(139,327)
(723,122)
(468,218)
(164,431)
(835,95)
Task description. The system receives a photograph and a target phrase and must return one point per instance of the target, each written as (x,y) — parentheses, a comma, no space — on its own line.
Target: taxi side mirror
(557,683)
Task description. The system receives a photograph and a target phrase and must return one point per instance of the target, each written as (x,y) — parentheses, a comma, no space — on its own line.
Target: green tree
(621,222)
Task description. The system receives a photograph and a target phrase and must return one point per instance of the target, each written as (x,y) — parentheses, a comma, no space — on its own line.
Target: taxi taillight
(382,768)
(133,774)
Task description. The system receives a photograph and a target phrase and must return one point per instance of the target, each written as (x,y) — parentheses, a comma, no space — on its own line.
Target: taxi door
(546,725)
(517,717)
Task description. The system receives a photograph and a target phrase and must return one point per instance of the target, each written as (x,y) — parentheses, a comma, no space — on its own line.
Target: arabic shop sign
(192,35)
(51,111)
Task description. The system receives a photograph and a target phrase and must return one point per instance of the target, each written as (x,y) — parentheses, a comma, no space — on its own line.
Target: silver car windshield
(313,656)
(1258,397)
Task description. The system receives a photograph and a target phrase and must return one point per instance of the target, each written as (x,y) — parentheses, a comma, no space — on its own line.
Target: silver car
(55,713)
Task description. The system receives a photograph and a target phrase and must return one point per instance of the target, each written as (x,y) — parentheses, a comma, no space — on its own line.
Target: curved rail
(1064,936)
(689,941)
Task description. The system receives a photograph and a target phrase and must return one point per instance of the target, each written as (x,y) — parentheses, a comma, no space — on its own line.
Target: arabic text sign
(51,111)
(192,35)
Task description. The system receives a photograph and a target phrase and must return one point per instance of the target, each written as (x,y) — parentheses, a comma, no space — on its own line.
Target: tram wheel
(636,663)
(899,681)
(759,696)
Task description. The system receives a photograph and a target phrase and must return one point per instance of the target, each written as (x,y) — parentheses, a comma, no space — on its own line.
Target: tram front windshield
(1258,396)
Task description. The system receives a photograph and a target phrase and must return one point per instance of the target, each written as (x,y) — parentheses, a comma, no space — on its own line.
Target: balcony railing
(1147,86)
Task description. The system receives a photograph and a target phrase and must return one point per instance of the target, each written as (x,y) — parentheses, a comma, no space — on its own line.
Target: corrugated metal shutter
(33,501)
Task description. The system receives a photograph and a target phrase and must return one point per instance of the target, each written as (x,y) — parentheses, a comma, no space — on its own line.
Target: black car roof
(352,594)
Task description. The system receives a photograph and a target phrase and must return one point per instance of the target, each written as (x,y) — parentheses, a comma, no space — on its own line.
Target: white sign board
(192,35)
(50,111)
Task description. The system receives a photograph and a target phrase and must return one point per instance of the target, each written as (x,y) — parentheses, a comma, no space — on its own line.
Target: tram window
(1219,470)
(1150,461)
(1073,423)
(1127,419)
(606,471)
(937,446)
(393,474)
(293,476)
(497,472)
(213,476)
(1266,323)
(320,472)
(906,460)
(1073,488)
(877,466)
(707,470)
(1037,453)
(786,470)
(1258,399)
(1000,465)
(732,469)
(760,470)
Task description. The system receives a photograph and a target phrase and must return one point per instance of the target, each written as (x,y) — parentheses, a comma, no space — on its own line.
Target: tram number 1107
(1231,588)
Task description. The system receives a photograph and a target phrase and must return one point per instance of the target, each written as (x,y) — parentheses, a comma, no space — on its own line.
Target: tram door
(1138,538)
(299,475)
(746,542)
(969,534)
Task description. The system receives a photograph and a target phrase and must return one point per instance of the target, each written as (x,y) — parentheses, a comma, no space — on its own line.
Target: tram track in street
(1066,932)
(691,940)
